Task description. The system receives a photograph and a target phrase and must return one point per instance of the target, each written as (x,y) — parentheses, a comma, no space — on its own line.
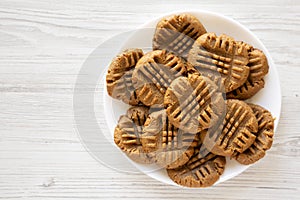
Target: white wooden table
(42,47)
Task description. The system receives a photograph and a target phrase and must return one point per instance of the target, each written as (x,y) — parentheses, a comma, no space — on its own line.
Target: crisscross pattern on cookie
(221,57)
(237,131)
(128,134)
(173,147)
(264,138)
(154,73)
(177,33)
(193,103)
(202,170)
(119,76)
(258,62)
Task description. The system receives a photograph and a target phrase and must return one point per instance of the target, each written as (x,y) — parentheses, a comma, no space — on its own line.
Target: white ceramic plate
(269,97)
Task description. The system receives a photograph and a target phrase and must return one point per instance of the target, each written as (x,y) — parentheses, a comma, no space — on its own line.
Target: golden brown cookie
(154,73)
(202,170)
(258,65)
(235,133)
(177,33)
(194,103)
(119,76)
(172,147)
(221,58)
(258,62)
(128,133)
(247,90)
(264,138)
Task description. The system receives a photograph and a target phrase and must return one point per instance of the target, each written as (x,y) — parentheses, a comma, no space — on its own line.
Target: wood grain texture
(43,45)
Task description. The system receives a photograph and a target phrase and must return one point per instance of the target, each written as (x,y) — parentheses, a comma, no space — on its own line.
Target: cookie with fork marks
(154,73)
(221,58)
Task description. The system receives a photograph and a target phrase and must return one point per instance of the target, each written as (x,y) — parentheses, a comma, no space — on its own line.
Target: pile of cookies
(187,112)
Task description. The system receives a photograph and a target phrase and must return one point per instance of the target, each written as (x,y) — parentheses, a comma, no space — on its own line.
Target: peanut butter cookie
(154,73)
(177,33)
(172,146)
(264,137)
(128,134)
(235,133)
(194,103)
(119,76)
(221,58)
